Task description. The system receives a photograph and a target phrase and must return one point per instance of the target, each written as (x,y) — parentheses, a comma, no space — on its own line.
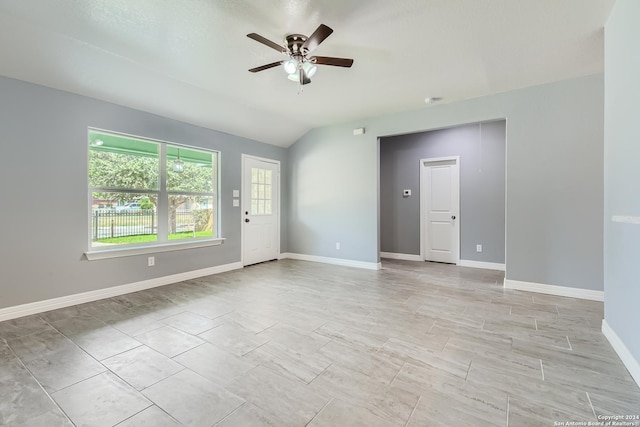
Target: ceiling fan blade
(267,42)
(330,60)
(304,79)
(318,36)
(265,67)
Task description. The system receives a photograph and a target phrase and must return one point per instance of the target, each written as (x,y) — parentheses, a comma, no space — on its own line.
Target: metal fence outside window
(112,223)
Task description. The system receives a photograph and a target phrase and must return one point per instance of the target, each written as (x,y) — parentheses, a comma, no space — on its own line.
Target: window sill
(151,249)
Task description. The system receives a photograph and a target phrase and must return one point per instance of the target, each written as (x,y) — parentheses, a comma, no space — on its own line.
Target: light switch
(236,203)
(406,193)
(236,193)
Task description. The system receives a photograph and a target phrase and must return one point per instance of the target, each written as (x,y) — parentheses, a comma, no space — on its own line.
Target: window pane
(267,177)
(191,170)
(123,219)
(254,207)
(191,217)
(254,175)
(122,163)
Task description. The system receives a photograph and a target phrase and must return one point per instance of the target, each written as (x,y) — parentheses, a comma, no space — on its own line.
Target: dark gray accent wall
(481,148)
(44,196)
(554,230)
(622,177)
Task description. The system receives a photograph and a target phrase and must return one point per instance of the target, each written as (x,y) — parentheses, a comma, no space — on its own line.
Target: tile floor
(293,343)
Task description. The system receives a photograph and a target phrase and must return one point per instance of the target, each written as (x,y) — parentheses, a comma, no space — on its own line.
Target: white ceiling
(188,59)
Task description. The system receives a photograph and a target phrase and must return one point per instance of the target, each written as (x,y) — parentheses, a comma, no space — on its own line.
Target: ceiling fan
(300,66)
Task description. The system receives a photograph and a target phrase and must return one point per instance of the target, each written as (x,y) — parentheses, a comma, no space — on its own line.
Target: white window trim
(98,253)
(151,249)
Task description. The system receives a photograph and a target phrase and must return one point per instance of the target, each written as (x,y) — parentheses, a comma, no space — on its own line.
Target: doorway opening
(480,221)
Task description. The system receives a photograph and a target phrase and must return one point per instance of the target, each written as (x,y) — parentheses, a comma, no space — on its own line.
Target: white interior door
(260,210)
(440,210)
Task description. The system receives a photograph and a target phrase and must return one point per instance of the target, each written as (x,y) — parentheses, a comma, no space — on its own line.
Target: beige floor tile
(288,362)
(294,402)
(339,413)
(192,399)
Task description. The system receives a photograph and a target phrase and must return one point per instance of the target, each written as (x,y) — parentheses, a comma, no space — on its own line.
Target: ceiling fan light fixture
(294,77)
(290,66)
(309,69)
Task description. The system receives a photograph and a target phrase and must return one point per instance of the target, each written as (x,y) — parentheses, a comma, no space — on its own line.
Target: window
(145,192)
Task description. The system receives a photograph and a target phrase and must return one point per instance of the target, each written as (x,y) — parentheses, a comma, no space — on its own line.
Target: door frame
(243,208)
(423,202)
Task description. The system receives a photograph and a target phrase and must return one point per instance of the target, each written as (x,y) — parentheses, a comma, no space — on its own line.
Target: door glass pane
(261,191)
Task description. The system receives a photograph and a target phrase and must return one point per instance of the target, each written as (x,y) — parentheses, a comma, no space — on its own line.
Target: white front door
(440,209)
(260,210)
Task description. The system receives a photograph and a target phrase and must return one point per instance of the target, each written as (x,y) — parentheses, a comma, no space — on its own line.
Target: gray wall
(554,180)
(43,191)
(481,148)
(333,195)
(622,174)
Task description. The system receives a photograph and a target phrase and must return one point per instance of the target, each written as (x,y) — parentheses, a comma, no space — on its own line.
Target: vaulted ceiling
(188,59)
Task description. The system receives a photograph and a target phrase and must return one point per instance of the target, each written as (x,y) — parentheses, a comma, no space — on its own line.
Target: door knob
(453,217)
(246,220)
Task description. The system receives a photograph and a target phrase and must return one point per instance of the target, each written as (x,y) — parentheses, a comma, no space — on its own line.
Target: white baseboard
(562,291)
(404,257)
(625,355)
(481,264)
(335,261)
(69,300)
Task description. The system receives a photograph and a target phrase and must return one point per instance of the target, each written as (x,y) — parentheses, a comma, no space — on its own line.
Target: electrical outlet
(151,261)
(338,245)
(478,248)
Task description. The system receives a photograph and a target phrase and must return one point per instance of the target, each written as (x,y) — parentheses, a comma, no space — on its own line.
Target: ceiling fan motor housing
(294,44)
